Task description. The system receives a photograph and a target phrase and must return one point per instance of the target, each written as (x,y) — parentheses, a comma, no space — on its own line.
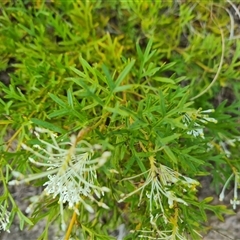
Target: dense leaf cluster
(138,78)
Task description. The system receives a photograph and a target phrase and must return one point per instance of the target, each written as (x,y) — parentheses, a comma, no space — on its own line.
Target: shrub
(118,109)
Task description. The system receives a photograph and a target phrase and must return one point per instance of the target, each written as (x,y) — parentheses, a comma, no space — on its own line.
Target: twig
(219,68)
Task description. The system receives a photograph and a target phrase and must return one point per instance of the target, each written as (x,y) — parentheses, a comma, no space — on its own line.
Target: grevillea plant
(113,120)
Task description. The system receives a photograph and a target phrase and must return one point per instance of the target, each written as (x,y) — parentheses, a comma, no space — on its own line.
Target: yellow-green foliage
(118,108)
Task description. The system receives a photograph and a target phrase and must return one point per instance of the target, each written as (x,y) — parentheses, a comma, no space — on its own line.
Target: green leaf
(70,98)
(124,73)
(150,72)
(146,55)
(59,113)
(47,125)
(12,94)
(6,122)
(167,66)
(116,110)
(169,139)
(57,100)
(208,199)
(139,52)
(23,219)
(129,164)
(175,122)
(164,80)
(170,154)
(123,88)
(109,79)
(140,164)
(78,72)
(87,66)
(193,159)
(162,103)
(91,94)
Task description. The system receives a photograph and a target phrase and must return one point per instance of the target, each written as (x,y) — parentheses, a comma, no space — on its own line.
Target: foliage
(111,105)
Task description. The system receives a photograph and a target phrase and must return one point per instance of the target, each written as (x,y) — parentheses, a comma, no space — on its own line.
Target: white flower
(156,187)
(222,194)
(235,201)
(226,143)
(151,234)
(159,179)
(71,169)
(156,233)
(194,119)
(162,235)
(4,219)
(224,148)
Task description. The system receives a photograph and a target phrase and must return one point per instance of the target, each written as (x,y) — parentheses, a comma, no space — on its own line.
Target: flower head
(157,186)
(162,235)
(195,119)
(173,231)
(159,179)
(71,169)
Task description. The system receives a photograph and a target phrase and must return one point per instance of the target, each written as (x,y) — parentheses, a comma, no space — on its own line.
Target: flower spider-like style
(71,169)
(159,179)
(197,118)
(161,235)
(156,233)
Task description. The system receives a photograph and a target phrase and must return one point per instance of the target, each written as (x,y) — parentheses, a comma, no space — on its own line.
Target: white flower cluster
(156,233)
(227,143)
(71,169)
(159,179)
(235,201)
(161,235)
(4,219)
(194,120)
